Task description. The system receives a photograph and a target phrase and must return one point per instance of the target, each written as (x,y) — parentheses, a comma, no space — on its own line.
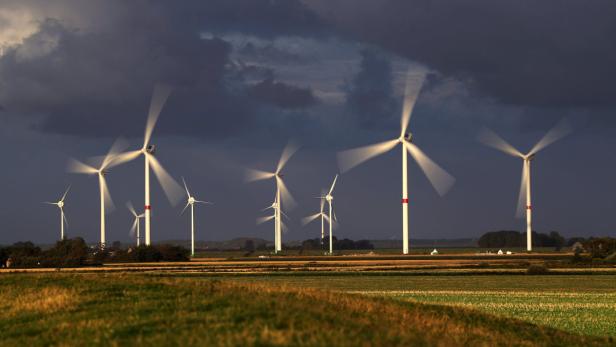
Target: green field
(179,310)
(580,304)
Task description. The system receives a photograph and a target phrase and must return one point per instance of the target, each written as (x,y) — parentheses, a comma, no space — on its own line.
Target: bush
(537,269)
(600,247)
(66,253)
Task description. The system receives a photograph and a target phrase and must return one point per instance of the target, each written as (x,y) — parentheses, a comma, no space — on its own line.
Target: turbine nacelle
(329,197)
(407,137)
(60,204)
(151,149)
(191,200)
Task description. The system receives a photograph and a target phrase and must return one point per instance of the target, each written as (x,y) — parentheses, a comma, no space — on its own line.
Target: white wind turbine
(491,139)
(172,189)
(191,201)
(321,214)
(60,204)
(439,178)
(136,228)
(277,212)
(332,218)
(282,193)
(107,162)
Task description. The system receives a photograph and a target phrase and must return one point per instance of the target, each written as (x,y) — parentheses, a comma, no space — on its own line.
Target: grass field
(579,303)
(179,310)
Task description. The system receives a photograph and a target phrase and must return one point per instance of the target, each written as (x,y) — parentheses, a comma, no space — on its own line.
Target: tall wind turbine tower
(440,179)
(282,193)
(172,189)
(107,162)
(190,202)
(60,204)
(489,138)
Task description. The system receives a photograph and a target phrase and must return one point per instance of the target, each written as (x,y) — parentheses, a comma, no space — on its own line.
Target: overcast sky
(329,74)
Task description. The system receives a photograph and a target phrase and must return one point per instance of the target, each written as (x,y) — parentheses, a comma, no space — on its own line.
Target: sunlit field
(579,304)
(187,309)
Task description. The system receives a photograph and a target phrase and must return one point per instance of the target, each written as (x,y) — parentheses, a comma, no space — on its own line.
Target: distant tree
(249,246)
(66,253)
(364,244)
(600,247)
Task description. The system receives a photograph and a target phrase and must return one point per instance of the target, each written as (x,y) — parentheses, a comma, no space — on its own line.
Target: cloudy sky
(250,76)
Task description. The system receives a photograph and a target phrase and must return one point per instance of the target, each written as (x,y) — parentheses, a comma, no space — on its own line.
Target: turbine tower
(282,193)
(191,201)
(136,228)
(60,204)
(172,189)
(440,179)
(107,162)
(489,138)
(277,213)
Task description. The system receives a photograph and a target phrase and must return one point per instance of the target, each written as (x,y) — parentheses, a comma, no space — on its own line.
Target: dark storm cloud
(549,53)
(97,81)
(282,95)
(370,94)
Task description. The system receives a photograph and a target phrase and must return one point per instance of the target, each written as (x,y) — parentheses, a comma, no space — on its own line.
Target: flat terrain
(355,299)
(577,303)
(185,309)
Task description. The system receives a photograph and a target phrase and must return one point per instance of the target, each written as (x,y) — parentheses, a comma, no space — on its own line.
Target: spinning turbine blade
(309,219)
(65,193)
(76,166)
(109,206)
(125,157)
(522,196)
(440,179)
(287,153)
(258,175)
(333,185)
(118,146)
(350,158)
(186,187)
(322,204)
(184,209)
(559,131)
(159,97)
(172,189)
(262,220)
(285,195)
(491,139)
(411,92)
(64,216)
(131,208)
(134,227)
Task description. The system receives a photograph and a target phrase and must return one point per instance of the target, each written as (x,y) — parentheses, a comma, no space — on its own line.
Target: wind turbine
(172,189)
(330,198)
(277,212)
(489,138)
(282,193)
(60,204)
(321,214)
(107,162)
(136,228)
(439,178)
(191,201)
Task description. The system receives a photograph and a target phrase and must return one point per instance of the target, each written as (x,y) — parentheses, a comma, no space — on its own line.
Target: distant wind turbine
(277,212)
(172,189)
(191,201)
(107,162)
(282,193)
(60,204)
(332,218)
(136,228)
(439,178)
(320,214)
(489,138)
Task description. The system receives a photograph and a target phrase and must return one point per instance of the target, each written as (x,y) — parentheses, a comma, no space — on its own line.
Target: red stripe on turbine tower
(405,201)
(148,207)
(529,207)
